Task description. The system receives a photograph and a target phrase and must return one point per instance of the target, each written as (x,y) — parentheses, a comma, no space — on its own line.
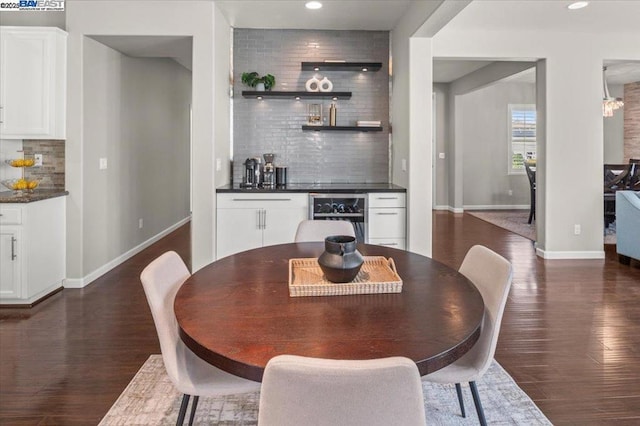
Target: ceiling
(372,15)
(177,48)
(382,15)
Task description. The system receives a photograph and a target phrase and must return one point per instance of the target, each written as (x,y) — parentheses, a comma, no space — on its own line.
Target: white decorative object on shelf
(370,123)
(312,85)
(326,85)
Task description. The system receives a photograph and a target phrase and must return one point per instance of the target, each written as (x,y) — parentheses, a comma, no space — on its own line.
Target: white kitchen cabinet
(246,221)
(32,250)
(33,82)
(387,219)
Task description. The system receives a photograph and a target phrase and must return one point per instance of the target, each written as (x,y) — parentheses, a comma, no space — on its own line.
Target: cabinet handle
(262,199)
(388,214)
(264,219)
(388,244)
(258,219)
(386,198)
(13,248)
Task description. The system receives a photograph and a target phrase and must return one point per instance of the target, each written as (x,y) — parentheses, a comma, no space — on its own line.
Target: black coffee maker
(252,173)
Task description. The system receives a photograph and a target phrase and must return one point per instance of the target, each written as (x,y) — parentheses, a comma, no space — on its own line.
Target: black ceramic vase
(340,261)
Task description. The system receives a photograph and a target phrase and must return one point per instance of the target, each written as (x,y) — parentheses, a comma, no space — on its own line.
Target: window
(522,136)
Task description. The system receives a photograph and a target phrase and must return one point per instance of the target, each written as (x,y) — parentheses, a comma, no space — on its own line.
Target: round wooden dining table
(236,313)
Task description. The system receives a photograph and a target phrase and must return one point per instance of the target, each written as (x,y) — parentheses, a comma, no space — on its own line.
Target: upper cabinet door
(32,83)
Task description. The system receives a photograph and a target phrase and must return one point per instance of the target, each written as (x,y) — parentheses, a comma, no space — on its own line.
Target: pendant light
(609,104)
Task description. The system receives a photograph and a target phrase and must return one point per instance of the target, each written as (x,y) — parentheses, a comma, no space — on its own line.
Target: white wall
(574,126)
(411,105)
(136,115)
(484,137)
(442,144)
(197,19)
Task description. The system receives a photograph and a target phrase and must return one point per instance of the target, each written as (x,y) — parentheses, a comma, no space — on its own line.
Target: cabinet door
(24,73)
(10,263)
(281,224)
(387,223)
(32,83)
(238,230)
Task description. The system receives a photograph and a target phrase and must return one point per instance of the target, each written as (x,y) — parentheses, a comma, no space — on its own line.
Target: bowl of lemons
(21,162)
(25,185)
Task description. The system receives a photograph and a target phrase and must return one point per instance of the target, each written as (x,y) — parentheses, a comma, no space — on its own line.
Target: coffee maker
(252,173)
(269,175)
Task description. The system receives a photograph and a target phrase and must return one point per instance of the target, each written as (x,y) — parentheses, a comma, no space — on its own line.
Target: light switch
(404,164)
(218,164)
(103,164)
(441,155)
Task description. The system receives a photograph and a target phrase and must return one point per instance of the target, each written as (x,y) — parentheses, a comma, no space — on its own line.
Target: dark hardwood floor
(570,335)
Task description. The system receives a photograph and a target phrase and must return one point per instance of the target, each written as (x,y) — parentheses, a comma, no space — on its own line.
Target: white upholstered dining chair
(491,274)
(300,390)
(190,374)
(318,230)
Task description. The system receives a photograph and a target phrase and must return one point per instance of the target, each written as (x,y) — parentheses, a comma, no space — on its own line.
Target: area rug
(516,222)
(151,399)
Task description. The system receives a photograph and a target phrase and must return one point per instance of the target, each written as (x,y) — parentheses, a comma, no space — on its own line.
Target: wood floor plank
(570,335)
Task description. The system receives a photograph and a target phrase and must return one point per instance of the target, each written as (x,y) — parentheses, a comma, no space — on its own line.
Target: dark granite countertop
(339,188)
(37,195)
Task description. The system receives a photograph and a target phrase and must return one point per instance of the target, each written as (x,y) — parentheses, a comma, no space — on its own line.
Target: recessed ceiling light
(578,5)
(313,5)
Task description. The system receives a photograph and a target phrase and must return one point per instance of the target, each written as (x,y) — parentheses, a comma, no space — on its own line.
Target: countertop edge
(8,197)
(302,188)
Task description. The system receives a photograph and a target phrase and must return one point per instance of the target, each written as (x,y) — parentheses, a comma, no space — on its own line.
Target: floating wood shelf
(341,66)
(342,128)
(271,94)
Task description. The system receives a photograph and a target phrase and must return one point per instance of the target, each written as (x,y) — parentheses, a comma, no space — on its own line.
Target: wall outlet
(577,229)
(38,160)
(510,192)
(404,164)
(218,164)
(140,223)
(103,164)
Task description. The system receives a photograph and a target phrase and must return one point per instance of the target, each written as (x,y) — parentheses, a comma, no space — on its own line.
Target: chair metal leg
(532,210)
(460,400)
(476,401)
(183,409)
(194,404)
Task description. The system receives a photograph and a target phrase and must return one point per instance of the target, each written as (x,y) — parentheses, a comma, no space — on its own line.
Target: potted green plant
(253,79)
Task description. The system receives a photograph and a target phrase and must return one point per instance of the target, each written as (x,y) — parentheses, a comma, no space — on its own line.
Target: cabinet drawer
(387,199)
(398,243)
(264,201)
(387,223)
(10,216)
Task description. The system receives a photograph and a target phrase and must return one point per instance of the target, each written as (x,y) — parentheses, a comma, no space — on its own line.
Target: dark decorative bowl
(340,261)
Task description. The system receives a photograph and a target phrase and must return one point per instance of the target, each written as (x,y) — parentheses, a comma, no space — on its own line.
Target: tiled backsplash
(274,125)
(52,170)
(632,120)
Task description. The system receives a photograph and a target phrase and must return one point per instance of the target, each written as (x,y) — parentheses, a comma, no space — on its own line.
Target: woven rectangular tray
(377,275)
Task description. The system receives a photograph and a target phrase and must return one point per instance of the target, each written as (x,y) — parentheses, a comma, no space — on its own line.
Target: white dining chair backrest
(161,280)
(492,275)
(318,230)
(311,391)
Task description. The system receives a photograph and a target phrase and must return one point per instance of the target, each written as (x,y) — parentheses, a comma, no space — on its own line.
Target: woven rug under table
(151,399)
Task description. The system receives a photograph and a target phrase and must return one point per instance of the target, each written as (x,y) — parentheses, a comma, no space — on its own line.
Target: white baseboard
(498,207)
(449,208)
(88,279)
(552,255)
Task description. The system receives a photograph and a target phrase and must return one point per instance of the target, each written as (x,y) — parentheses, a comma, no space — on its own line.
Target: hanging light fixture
(609,104)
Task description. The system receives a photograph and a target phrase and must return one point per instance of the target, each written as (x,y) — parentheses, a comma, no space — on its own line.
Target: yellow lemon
(32,184)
